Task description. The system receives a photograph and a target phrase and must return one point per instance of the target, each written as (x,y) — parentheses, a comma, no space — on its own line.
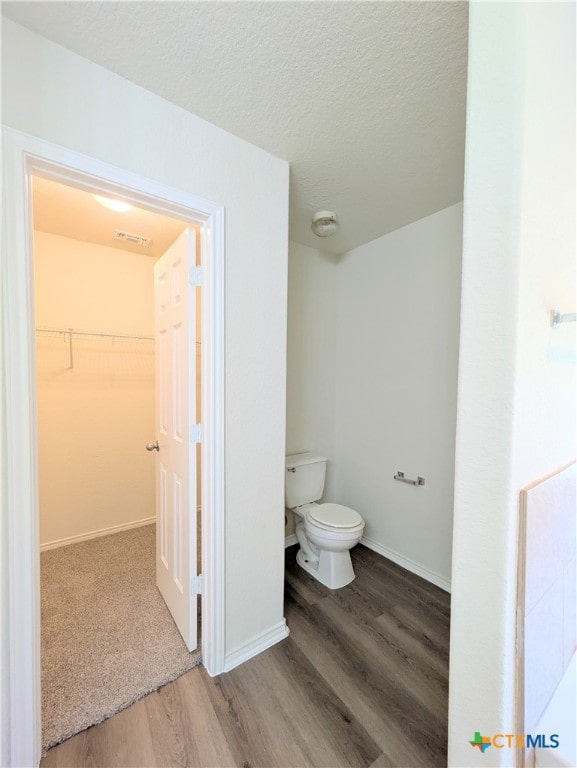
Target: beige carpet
(107,636)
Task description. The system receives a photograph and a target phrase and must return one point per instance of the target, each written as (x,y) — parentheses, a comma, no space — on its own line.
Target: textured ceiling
(366,100)
(71,212)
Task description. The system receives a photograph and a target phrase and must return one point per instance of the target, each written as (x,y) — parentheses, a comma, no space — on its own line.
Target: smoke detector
(324,223)
(129,237)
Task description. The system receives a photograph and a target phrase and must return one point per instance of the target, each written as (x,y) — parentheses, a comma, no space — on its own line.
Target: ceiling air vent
(129,237)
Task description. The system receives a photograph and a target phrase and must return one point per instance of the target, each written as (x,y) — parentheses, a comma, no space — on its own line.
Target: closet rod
(108,334)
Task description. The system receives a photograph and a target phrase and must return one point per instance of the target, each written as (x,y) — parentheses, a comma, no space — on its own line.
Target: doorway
(24,157)
(99,366)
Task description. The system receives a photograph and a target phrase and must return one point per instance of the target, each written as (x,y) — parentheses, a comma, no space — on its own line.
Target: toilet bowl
(326,532)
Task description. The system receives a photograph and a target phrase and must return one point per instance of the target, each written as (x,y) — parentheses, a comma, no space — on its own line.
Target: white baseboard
(96,534)
(290,540)
(257,645)
(405,562)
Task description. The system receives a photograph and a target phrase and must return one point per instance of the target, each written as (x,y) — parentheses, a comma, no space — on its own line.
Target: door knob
(152,446)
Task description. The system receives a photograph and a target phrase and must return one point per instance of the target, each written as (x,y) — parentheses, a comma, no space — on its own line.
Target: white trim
(212,464)
(290,540)
(258,644)
(23,155)
(408,564)
(57,543)
(23,694)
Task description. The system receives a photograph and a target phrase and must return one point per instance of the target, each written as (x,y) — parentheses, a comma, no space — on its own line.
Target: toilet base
(333,569)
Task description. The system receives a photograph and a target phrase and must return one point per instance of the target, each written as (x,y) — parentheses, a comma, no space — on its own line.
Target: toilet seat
(334,517)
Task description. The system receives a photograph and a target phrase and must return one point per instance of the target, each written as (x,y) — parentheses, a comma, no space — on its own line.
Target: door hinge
(195,275)
(196,585)
(196,433)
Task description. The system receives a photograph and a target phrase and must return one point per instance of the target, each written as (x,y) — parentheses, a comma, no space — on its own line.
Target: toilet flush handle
(291,469)
(152,446)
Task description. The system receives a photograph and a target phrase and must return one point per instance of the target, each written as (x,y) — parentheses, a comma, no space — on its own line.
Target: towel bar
(401,476)
(557,318)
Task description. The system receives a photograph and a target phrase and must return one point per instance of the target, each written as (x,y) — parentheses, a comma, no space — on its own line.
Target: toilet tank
(305,478)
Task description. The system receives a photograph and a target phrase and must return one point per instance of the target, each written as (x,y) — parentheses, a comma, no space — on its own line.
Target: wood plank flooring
(361,681)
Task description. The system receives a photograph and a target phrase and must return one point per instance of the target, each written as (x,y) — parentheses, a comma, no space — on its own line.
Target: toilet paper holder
(401,476)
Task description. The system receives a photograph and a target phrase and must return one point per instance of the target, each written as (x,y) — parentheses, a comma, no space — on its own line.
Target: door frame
(24,155)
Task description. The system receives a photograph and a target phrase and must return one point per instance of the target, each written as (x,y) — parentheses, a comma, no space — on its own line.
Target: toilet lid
(335,516)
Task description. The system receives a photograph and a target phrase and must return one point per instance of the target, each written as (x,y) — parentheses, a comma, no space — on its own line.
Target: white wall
(63,98)
(516,410)
(396,386)
(311,354)
(95,418)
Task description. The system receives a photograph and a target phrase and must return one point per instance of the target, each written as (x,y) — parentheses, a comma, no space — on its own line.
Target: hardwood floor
(360,681)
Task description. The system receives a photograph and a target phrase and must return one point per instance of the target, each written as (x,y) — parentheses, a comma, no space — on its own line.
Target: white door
(175,335)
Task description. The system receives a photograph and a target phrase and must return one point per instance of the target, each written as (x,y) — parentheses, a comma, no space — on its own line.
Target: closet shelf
(72,332)
(84,332)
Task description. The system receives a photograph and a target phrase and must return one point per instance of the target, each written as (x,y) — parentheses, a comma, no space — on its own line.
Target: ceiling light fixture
(112,204)
(324,223)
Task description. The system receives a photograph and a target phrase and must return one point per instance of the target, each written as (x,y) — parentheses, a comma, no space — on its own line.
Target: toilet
(325,532)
